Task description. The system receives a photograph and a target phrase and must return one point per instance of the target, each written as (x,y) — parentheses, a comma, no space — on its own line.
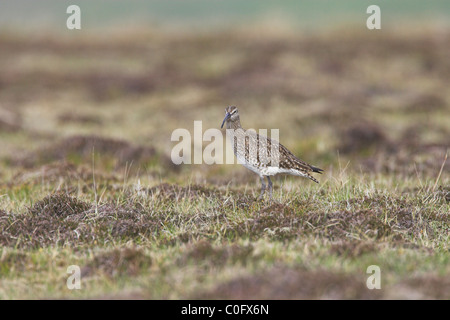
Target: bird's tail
(312,178)
(315,169)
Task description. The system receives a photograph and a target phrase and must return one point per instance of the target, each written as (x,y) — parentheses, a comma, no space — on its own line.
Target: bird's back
(266,156)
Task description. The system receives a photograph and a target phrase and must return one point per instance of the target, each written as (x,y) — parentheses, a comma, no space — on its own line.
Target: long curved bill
(227,116)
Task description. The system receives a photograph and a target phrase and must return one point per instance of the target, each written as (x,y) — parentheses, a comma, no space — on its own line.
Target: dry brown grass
(118,262)
(283,283)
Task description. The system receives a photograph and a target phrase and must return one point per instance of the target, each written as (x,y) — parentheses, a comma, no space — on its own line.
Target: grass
(195,238)
(86,177)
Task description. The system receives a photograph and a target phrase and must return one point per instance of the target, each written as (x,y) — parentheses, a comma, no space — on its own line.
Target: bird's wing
(289,161)
(286,159)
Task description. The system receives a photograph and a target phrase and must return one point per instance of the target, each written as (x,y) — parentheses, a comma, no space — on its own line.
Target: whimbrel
(264,156)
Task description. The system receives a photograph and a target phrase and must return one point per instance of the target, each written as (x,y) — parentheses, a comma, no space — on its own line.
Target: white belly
(251,166)
(268,171)
(271,171)
(261,170)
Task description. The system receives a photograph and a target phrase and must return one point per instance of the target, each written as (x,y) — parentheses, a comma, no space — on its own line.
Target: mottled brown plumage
(264,156)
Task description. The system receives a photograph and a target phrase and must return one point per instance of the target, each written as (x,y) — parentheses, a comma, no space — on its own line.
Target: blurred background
(376,102)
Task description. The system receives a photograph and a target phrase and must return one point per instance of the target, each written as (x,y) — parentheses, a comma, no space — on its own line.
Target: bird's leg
(270,187)
(263,188)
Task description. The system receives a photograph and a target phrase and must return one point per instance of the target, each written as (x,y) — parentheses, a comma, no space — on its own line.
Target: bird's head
(231,115)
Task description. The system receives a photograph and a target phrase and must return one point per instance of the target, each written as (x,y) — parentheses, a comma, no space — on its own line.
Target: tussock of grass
(217,256)
(83,147)
(118,262)
(292,283)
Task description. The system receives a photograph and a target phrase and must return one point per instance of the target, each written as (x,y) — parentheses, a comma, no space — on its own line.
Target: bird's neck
(234,124)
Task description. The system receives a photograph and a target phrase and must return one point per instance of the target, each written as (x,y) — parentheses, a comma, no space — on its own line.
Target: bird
(259,153)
